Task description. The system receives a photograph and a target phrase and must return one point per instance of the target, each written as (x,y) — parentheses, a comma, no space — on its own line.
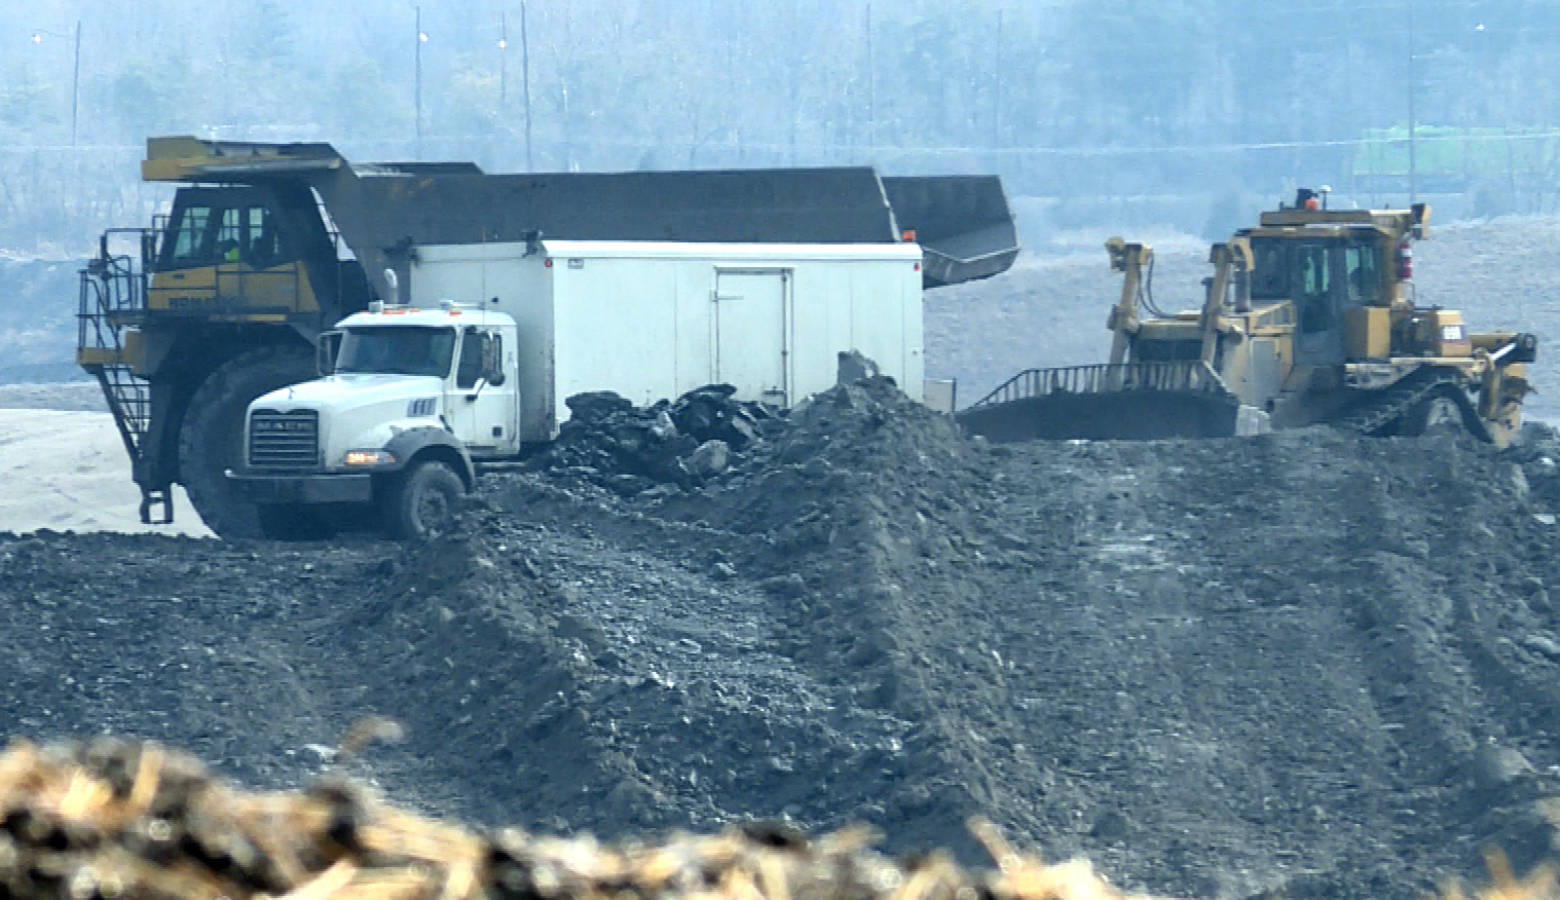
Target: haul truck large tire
(212,437)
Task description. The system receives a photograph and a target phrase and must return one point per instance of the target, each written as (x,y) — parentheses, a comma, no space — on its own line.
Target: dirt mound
(1304,662)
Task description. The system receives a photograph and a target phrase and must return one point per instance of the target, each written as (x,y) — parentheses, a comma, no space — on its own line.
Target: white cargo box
(652,320)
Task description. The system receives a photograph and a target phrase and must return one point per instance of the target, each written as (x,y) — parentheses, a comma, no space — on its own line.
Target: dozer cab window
(1360,262)
(397,350)
(1270,269)
(1312,284)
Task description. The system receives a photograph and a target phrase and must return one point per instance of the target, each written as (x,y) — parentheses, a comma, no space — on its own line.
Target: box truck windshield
(398,350)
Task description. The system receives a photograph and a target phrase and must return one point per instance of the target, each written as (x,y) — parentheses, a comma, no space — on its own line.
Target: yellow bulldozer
(1309,318)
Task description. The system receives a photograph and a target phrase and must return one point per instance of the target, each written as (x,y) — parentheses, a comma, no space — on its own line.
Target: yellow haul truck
(1310,317)
(268,245)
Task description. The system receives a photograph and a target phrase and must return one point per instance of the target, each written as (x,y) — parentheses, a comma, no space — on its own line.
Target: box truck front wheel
(421,503)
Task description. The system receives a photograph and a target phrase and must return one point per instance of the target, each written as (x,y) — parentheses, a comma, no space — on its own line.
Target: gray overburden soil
(1308,662)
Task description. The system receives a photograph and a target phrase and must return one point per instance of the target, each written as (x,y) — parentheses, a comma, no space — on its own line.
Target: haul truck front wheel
(211,440)
(421,504)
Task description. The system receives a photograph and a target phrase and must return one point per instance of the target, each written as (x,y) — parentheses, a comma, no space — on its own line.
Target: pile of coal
(610,442)
(1537,455)
(116,819)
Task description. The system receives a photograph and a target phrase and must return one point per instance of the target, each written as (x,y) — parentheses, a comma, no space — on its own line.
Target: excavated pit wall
(1306,661)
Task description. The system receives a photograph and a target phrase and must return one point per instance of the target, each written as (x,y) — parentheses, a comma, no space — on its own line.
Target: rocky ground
(1306,662)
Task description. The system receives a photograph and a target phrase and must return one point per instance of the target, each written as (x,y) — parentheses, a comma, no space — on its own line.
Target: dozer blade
(1134,401)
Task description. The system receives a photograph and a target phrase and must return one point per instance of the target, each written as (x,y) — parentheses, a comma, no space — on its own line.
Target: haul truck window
(206,235)
(397,350)
(192,242)
(260,245)
(230,238)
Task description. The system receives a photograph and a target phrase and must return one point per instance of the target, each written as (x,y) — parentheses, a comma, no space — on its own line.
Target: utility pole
(1413,143)
(75,86)
(525,79)
(503,57)
(417,90)
(871,89)
(996,89)
(75,77)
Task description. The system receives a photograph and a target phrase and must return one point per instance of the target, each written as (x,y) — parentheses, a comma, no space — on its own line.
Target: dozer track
(1130,401)
(1381,412)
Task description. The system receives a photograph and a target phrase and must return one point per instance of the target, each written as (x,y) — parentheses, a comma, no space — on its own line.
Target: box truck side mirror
(493,360)
(325,347)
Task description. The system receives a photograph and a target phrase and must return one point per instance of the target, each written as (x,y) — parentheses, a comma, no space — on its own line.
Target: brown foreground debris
(115,819)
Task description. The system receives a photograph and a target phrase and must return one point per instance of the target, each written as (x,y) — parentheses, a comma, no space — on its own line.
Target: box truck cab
(416,395)
(412,397)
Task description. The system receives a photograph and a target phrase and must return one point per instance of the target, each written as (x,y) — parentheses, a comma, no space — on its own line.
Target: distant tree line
(1071,101)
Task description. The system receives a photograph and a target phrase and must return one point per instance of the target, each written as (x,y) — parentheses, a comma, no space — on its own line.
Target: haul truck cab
(409,398)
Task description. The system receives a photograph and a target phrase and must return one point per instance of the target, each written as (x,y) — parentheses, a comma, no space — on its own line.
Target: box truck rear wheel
(211,440)
(421,504)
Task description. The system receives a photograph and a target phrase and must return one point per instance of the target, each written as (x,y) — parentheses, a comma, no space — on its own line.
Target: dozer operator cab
(1323,277)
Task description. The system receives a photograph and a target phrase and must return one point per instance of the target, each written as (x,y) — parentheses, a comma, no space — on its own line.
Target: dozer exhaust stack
(1127,401)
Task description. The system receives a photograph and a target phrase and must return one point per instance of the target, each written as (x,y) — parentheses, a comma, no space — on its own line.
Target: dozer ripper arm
(1130,260)
(1230,260)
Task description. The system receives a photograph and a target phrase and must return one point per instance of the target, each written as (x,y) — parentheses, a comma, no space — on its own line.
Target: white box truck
(494,337)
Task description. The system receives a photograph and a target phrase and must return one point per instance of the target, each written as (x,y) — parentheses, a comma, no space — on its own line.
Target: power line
(477,140)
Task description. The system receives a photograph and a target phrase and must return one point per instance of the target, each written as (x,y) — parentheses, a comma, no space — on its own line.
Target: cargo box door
(751,311)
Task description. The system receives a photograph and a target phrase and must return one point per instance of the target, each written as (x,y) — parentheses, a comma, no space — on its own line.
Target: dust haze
(1307,663)
(1190,113)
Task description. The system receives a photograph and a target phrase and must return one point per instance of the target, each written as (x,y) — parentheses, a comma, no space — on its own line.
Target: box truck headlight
(369,459)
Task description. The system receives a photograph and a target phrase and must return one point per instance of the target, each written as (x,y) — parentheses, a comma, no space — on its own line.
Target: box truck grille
(279,440)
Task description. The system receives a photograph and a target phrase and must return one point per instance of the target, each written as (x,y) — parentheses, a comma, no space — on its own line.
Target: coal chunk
(628,450)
